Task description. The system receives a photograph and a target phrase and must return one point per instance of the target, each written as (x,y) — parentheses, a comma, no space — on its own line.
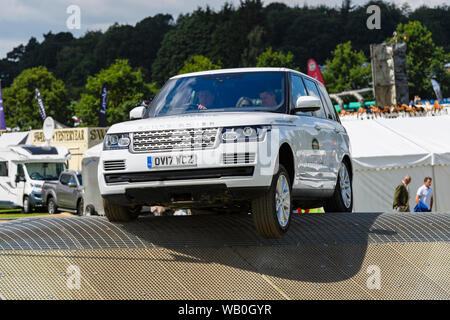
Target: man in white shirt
(425,194)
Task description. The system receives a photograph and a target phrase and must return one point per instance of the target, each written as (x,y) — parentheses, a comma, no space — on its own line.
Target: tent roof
(400,142)
(13,138)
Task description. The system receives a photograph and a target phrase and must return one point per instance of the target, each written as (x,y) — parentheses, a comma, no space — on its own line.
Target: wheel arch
(286,158)
(348,161)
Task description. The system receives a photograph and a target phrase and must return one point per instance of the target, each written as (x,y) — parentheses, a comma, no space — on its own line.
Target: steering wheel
(36,176)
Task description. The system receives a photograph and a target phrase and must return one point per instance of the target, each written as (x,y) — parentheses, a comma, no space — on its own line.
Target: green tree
(126,89)
(21,107)
(348,69)
(424,60)
(256,45)
(270,58)
(198,63)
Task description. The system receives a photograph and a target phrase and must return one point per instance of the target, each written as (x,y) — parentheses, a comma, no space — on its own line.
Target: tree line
(250,34)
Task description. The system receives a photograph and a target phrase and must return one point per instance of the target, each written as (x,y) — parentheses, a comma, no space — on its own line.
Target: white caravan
(23,171)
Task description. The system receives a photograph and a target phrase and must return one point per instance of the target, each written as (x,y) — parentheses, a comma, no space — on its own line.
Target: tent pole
(434,186)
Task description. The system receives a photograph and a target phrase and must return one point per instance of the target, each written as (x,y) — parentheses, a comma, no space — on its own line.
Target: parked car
(23,171)
(258,140)
(65,194)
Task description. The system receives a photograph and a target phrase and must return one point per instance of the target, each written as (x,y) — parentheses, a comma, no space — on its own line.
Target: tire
(27,207)
(80,207)
(90,210)
(117,213)
(51,206)
(342,199)
(268,222)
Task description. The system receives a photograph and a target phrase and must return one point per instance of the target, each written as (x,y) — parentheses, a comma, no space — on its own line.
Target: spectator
(401,196)
(424,197)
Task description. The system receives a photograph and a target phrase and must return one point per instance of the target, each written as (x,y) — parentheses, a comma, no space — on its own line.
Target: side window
(72,180)
(313,91)
(3,168)
(297,90)
(331,112)
(64,179)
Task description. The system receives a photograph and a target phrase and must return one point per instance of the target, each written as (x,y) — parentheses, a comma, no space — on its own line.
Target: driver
(205,99)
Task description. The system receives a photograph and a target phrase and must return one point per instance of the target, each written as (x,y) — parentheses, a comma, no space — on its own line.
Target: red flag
(314,71)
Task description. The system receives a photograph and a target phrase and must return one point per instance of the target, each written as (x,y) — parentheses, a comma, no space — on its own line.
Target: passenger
(205,99)
(244,102)
(401,196)
(268,98)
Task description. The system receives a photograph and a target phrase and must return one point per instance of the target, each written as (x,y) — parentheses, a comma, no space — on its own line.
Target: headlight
(244,134)
(116,141)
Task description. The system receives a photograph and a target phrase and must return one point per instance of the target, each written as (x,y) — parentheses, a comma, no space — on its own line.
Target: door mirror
(72,184)
(19,178)
(137,113)
(307,103)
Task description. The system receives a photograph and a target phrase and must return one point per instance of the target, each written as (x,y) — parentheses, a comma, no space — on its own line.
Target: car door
(63,191)
(338,133)
(323,146)
(72,194)
(305,136)
(19,180)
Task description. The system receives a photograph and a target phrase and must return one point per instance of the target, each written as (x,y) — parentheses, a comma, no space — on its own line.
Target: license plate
(185,160)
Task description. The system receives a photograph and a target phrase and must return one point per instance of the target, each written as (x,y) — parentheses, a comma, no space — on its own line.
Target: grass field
(17,213)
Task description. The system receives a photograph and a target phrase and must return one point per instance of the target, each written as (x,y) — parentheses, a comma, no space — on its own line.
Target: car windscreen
(246,91)
(45,170)
(80,179)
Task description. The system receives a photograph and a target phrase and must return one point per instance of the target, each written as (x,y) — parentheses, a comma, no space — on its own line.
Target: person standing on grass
(401,196)
(425,196)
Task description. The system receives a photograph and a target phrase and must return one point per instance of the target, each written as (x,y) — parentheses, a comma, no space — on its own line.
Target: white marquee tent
(384,150)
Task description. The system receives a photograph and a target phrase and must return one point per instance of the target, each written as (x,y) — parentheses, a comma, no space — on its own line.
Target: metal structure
(324,256)
(389,75)
(355,93)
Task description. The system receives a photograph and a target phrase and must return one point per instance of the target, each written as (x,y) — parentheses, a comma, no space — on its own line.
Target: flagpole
(2,112)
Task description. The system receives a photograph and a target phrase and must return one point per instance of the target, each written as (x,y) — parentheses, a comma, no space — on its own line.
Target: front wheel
(51,206)
(80,208)
(272,212)
(117,213)
(342,199)
(26,205)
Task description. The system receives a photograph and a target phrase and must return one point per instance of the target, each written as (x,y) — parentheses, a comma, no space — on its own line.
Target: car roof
(236,70)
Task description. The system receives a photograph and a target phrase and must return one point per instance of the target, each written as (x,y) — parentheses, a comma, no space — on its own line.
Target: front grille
(238,158)
(111,165)
(175,140)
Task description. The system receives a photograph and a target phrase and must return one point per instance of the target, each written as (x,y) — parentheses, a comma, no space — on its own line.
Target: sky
(22,19)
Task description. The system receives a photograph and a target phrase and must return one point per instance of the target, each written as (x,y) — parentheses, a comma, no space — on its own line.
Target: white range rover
(258,140)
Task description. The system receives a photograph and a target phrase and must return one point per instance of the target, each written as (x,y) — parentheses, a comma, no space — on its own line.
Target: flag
(314,71)
(437,89)
(2,114)
(102,120)
(41,104)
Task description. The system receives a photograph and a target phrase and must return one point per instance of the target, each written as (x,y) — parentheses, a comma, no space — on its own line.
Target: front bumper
(192,196)
(211,171)
(36,199)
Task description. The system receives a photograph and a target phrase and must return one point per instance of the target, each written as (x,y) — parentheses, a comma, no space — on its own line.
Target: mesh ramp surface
(325,256)
(219,230)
